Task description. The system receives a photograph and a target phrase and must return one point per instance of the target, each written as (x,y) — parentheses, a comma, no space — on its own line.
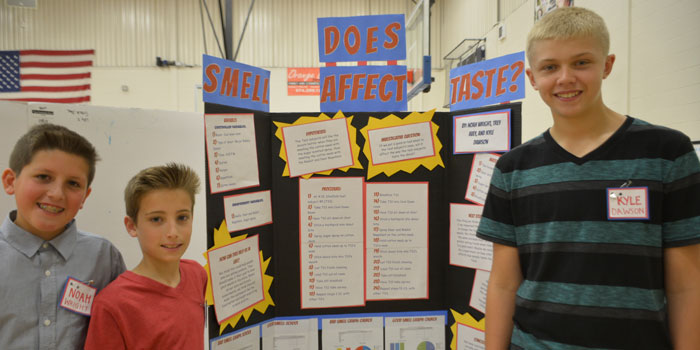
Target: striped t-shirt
(590,280)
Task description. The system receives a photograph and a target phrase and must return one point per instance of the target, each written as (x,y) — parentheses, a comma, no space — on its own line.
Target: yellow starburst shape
(222,238)
(408,165)
(465,319)
(352,132)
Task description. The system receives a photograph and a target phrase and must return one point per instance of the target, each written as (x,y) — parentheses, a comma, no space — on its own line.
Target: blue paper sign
(235,84)
(362,38)
(488,82)
(363,89)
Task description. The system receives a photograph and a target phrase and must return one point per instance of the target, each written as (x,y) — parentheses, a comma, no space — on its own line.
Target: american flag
(59,76)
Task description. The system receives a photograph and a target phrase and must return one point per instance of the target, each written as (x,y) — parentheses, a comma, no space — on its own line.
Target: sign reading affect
(363,89)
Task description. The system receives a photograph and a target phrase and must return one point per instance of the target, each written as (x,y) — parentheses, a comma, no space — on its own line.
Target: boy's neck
(165,273)
(582,135)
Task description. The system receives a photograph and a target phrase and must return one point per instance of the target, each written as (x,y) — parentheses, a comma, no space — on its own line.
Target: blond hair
(172,176)
(567,23)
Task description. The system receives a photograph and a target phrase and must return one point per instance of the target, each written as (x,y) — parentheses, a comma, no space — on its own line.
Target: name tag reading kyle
(78,297)
(628,203)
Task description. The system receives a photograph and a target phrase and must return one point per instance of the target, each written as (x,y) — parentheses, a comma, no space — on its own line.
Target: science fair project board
(352,228)
(341,223)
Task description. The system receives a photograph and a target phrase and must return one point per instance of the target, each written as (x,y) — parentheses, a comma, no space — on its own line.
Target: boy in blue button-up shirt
(51,169)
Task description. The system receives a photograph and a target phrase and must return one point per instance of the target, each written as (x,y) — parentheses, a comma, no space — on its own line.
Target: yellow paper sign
(467,320)
(393,144)
(352,134)
(222,238)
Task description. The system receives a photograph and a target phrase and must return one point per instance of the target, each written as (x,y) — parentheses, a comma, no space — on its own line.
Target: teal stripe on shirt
(590,232)
(497,179)
(681,230)
(684,165)
(647,169)
(527,341)
(496,229)
(590,295)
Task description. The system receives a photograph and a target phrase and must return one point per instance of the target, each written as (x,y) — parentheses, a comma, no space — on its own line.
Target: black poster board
(449,286)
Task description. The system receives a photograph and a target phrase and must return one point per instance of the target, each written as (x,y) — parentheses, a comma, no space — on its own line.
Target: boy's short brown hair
(171,176)
(46,137)
(567,23)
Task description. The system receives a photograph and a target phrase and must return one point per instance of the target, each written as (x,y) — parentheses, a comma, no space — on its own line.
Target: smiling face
(163,225)
(49,191)
(568,73)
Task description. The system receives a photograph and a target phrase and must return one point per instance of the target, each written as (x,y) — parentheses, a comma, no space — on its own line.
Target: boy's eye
(183,217)
(155,219)
(549,67)
(42,177)
(75,184)
(582,62)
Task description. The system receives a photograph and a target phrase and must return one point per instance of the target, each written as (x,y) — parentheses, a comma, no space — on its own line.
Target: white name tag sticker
(628,203)
(78,297)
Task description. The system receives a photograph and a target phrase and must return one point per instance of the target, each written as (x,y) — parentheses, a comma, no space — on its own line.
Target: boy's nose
(55,191)
(565,76)
(172,231)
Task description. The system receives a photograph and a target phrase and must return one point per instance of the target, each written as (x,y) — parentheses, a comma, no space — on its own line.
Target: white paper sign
(331,242)
(316,147)
(398,143)
(397,241)
(466,249)
(352,333)
(415,332)
(469,338)
(480,177)
(479,288)
(236,277)
(483,132)
(628,203)
(245,339)
(290,334)
(247,210)
(232,154)
(78,297)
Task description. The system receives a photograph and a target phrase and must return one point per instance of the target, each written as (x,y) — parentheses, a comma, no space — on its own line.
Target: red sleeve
(205,279)
(103,331)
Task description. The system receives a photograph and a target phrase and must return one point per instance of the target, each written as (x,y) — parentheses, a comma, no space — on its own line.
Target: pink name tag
(78,297)
(628,203)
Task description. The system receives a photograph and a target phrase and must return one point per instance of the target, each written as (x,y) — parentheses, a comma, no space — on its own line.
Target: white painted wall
(656,76)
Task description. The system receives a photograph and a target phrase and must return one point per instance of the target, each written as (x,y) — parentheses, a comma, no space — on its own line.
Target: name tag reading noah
(78,297)
(628,203)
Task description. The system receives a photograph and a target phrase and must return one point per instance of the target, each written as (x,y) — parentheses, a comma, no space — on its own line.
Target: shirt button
(45,245)
(47,322)
(47,273)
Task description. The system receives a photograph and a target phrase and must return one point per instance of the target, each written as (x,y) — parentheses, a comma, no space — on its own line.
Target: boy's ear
(8,181)
(130,226)
(609,61)
(531,77)
(87,193)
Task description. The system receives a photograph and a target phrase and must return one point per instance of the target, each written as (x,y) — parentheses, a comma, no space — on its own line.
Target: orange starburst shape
(222,238)
(465,319)
(352,133)
(408,165)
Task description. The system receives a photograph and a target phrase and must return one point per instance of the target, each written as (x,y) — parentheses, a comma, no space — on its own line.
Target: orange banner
(303,81)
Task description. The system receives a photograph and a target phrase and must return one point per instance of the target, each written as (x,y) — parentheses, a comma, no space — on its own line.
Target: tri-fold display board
(350,230)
